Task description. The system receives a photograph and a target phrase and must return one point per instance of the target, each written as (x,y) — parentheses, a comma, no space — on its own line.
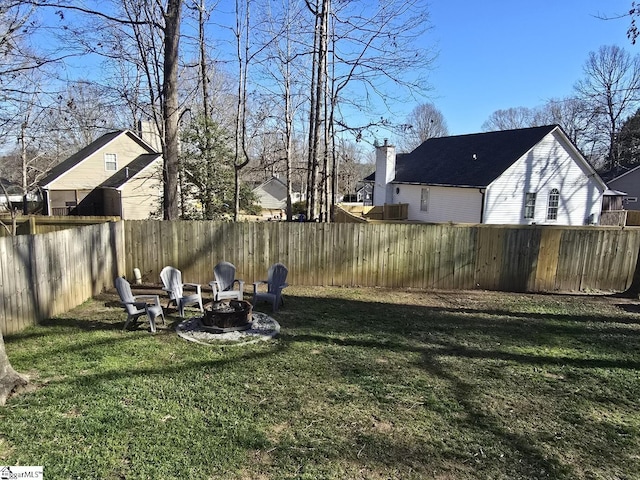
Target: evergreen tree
(207,170)
(629,141)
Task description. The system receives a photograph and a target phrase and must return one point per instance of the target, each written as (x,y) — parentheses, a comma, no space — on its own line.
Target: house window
(554,200)
(632,199)
(110,162)
(530,205)
(424,200)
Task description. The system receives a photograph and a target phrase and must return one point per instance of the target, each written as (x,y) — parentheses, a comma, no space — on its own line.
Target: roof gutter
(438,184)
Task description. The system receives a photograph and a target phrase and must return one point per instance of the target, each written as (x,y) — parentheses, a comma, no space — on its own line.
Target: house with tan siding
(117,175)
(524,176)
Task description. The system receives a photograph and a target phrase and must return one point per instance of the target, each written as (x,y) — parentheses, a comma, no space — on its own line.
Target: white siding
(550,164)
(446,204)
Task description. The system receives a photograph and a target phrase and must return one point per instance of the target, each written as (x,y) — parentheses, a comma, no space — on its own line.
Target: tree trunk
(170,113)
(10,380)
(203,62)
(241,158)
(317,113)
(288,139)
(25,183)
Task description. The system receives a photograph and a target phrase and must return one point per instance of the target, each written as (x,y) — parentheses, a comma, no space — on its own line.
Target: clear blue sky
(498,54)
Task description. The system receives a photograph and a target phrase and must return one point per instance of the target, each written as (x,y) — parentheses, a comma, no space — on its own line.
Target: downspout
(482,195)
(45,193)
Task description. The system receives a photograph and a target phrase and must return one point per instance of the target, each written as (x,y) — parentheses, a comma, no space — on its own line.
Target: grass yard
(361,384)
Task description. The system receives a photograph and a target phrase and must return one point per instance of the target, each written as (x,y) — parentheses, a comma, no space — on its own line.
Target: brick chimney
(385,173)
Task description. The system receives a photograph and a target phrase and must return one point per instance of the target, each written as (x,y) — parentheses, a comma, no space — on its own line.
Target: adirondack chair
(139,305)
(225,279)
(276,282)
(172,284)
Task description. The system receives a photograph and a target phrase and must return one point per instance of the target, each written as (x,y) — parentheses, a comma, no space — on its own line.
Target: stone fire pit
(227,315)
(263,327)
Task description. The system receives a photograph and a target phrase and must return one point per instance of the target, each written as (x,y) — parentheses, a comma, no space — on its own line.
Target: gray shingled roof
(466,160)
(10,186)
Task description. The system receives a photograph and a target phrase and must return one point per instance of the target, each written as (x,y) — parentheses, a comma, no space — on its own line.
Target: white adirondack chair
(225,279)
(137,306)
(276,282)
(172,284)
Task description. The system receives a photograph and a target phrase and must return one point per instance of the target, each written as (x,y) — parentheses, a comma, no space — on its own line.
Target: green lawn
(361,384)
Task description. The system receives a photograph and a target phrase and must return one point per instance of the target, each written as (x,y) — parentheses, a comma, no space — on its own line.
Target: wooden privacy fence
(620,218)
(443,256)
(34,224)
(49,274)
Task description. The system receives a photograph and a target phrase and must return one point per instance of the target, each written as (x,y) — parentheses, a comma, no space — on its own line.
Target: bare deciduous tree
(509,119)
(153,30)
(425,121)
(13,19)
(573,114)
(356,50)
(610,89)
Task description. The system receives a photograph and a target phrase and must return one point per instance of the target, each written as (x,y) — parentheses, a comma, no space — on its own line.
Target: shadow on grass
(602,334)
(423,329)
(435,333)
(449,349)
(629,308)
(534,461)
(95,380)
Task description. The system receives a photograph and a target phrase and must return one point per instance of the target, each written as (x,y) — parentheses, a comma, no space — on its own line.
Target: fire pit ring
(262,328)
(227,315)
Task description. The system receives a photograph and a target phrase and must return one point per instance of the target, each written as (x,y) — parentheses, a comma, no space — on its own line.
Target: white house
(524,176)
(11,194)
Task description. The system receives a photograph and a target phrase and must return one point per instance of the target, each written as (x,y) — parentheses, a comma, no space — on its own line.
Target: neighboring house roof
(81,155)
(131,170)
(473,160)
(10,186)
(618,173)
(272,194)
(14,192)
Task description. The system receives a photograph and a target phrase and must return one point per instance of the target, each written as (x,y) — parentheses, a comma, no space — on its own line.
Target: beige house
(119,174)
